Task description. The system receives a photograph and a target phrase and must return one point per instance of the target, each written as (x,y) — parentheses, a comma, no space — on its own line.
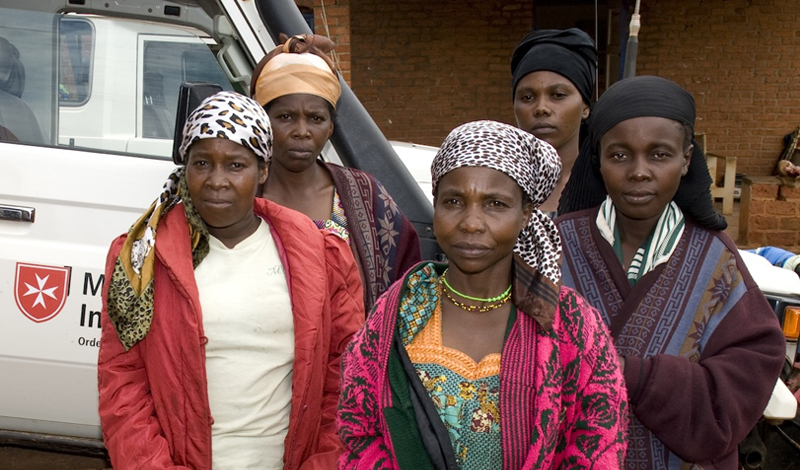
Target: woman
(299,87)
(224,315)
(553,82)
(701,348)
(489,362)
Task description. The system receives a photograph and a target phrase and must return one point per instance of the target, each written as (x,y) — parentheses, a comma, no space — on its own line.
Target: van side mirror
(190,95)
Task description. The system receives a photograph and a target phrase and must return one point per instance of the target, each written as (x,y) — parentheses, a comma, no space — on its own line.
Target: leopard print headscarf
(531,162)
(225,115)
(229,115)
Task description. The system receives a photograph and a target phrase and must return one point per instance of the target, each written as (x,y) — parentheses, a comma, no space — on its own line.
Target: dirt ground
(18,458)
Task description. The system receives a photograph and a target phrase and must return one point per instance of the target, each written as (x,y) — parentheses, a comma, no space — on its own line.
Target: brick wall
(422,67)
(332,19)
(769,214)
(741,61)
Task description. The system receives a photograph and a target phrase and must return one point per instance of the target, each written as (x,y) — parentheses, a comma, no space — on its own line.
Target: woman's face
(301,125)
(222,177)
(642,161)
(478,214)
(549,106)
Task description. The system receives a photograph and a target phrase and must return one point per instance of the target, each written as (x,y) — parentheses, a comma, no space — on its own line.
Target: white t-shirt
(247,317)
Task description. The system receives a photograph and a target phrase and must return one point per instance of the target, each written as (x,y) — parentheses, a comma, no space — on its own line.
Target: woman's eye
(661,155)
(237,165)
(559,95)
(498,204)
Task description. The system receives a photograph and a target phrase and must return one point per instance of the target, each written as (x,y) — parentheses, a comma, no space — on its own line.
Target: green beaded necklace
(474,299)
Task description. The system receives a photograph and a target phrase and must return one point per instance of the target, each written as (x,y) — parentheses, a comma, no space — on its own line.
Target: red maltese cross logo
(40,291)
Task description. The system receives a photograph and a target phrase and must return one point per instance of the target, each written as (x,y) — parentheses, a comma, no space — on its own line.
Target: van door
(79,162)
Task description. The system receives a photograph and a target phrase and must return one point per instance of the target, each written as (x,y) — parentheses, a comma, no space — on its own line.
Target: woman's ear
(688,156)
(527,212)
(263,171)
(585,112)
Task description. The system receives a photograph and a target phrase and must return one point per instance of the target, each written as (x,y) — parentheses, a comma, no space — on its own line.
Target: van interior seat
(19,120)
(157,121)
(16,117)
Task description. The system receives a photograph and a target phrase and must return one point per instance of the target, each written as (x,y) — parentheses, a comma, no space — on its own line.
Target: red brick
(758,207)
(781,239)
(782,208)
(763,222)
(789,193)
(755,238)
(789,223)
(764,191)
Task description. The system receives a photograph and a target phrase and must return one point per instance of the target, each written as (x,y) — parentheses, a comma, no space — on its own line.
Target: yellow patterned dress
(465,393)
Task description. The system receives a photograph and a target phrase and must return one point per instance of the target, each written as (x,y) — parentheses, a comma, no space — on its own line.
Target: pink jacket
(154,406)
(562,397)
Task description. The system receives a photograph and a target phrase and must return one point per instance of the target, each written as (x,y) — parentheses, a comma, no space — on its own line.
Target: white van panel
(83,200)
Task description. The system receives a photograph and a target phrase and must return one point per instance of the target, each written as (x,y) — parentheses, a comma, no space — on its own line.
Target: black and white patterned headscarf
(231,116)
(531,162)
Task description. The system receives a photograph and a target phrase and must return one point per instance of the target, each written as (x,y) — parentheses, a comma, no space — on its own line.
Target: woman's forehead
(477,178)
(220,147)
(645,128)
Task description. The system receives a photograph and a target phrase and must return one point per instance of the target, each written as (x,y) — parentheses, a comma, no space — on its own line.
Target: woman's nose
(640,169)
(472,220)
(541,109)
(302,128)
(218,178)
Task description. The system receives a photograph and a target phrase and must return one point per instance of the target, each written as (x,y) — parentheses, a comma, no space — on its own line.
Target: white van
(88,96)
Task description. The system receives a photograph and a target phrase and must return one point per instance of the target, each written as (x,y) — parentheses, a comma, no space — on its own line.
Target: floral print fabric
(562,397)
(337,224)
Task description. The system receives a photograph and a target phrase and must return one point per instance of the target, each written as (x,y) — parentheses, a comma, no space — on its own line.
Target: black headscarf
(627,99)
(570,52)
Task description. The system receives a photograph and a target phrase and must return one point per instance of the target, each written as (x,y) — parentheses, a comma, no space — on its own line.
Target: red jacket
(154,406)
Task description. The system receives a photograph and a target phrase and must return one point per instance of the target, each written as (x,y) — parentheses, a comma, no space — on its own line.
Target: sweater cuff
(636,372)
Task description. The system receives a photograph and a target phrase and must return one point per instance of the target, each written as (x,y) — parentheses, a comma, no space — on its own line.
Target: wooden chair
(724,191)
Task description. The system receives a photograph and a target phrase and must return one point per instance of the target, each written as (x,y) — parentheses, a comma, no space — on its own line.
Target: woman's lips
(638,197)
(542,128)
(216,203)
(300,153)
(471,250)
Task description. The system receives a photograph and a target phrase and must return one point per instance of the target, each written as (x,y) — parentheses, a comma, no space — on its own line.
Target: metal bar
(75,445)
(18,213)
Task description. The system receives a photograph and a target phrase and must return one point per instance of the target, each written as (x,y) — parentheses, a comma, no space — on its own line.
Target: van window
(167,63)
(95,83)
(75,64)
(27,77)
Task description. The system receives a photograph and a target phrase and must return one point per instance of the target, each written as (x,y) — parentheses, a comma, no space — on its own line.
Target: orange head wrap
(299,65)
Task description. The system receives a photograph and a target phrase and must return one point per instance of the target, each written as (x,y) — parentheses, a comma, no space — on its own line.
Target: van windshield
(97,83)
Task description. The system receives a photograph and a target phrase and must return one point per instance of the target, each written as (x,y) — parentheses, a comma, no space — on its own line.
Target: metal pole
(632,49)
